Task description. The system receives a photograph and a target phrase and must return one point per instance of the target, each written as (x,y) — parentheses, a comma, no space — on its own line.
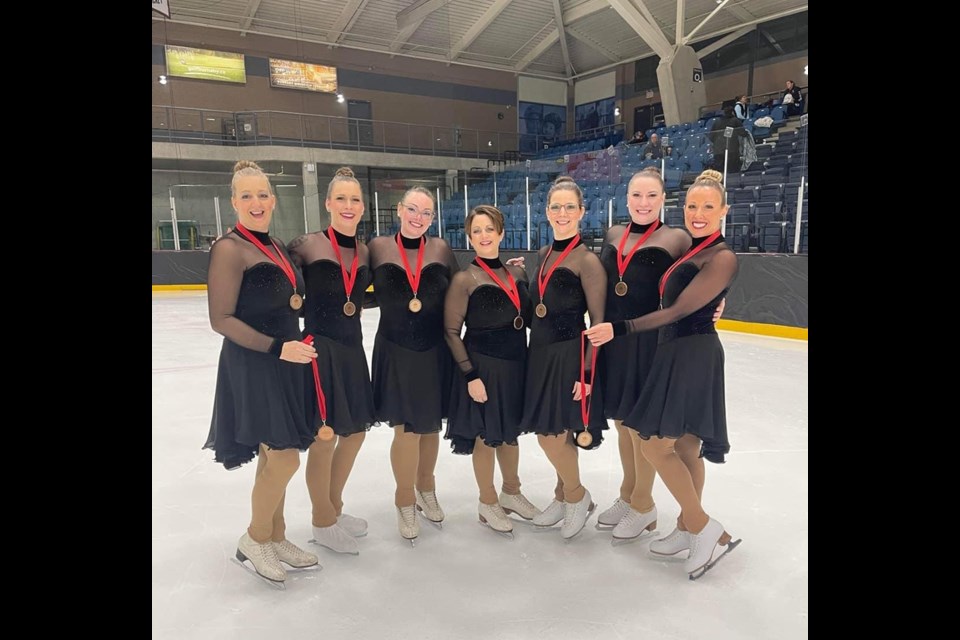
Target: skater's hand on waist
(517,262)
(719,311)
(298,352)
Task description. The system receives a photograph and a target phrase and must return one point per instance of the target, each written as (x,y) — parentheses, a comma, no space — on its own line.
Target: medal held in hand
(325,432)
(585,438)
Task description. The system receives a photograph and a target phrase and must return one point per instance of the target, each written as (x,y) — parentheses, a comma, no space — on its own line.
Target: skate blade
(505,534)
(643,535)
(273,583)
(604,527)
(730,546)
(517,513)
(312,567)
(320,544)
(436,523)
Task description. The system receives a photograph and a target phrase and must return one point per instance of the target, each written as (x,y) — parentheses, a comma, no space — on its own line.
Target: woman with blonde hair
(681,413)
(259,408)
(336,270)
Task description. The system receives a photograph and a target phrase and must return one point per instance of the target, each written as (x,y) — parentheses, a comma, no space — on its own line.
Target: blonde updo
(711,179)
(343,174)
(565,183)
(649,172)
(245,168)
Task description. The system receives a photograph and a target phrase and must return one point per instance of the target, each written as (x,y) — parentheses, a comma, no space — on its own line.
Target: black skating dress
(492,349)
(578,285)
(259,398)
(625,361)
(341,360)
(684,392)
(412,367)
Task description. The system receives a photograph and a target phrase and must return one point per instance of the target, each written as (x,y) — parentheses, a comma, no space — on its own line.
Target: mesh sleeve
(224,278)
(454,313)
(593,279)
(715,276)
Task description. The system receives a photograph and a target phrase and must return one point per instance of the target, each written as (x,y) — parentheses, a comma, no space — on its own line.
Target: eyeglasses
(570,207)
(414,211)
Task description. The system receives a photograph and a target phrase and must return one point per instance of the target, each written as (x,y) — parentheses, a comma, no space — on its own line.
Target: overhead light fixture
(340,97)
(616,111)
(489,143)
(162,79)
(805,69)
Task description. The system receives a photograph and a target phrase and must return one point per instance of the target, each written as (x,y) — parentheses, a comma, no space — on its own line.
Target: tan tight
(274,470)
(681,468)
(563,455)
(638,473)
(413,457)
(508,456)
(328,467)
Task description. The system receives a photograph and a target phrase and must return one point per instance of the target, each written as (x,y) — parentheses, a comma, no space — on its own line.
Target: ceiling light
(489,143)
(805,69)
(340,97)
(616,111)
(162,79)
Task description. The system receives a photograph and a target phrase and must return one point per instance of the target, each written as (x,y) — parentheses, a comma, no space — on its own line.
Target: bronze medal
(326,433)
(584,438)
(541,310)
(415,305)
(621,288)
(349,308)
(518,323)
(296,301)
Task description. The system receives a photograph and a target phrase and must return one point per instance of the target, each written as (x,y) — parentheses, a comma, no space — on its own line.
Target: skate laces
(269,553)
(409,515)
(430,497)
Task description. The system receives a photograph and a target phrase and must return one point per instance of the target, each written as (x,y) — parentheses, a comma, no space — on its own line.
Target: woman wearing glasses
(570,281)
(493,301)
(336,272)
(412,366)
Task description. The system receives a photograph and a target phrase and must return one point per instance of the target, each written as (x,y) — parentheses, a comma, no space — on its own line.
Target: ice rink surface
(465,582)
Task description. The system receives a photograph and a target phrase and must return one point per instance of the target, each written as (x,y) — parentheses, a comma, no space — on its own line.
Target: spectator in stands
(740,108)
(654,150)
(721,142)
(792,100)
(637,138)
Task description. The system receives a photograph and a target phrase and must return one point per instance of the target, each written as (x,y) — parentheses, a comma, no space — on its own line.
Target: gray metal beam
(417,12)
(477,28)
(347,17)
(538,50)
(639,24)
(558,19)
(250,13)
(593,45)
(704,21)
(724,41)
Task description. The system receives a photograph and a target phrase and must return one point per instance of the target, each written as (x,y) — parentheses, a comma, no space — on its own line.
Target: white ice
(466,582)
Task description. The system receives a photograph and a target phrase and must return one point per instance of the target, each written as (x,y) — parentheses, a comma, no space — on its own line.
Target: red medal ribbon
(703,245)
(348,281)
(283,263)
(513,294)
(584,403)
(414,280)
(321,398)
(623,263)
(541,282)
